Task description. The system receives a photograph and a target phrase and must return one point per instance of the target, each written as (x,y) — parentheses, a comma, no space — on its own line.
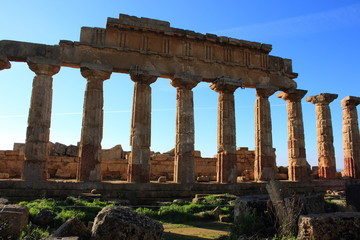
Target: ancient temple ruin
(147,49)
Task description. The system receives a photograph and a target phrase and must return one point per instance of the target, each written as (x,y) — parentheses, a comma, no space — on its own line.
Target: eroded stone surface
(299,169)
(324,132)
(351,137)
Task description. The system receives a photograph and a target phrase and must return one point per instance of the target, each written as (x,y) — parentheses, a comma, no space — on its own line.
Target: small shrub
(147,212)
(247,224)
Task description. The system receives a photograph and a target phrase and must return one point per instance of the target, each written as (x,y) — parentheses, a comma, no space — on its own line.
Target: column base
(299,173)
(226,168)
(351,169)
(34,170)
(184,168)
(139,173)
(327,172)
(266,168)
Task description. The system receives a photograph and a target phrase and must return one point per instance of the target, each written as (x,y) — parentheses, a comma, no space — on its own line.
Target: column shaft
(226,131)
(351,138)
(265,163)
(326,152)
(299,169)
(140,140)
(38,130)
(92,124)
(184,167)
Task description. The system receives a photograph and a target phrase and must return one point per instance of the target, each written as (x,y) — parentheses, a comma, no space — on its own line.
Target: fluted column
(184,143)
(226,131)
(324,132)
(92,123)
(4,63)
(265,163)
(140,139)
(38,130)
(351,138)
(299,169)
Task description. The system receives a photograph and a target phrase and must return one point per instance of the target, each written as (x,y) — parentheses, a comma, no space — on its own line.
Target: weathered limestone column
(265,163)
(351,138)
(4,63)
(326,152)
(226,131)
(38,130)
(184,166)
(299,169)
(92,123)
(140,139)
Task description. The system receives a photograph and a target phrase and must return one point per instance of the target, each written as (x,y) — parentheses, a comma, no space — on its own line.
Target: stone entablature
(128,42)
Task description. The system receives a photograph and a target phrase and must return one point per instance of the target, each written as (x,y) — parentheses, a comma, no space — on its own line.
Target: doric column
(4,63)
(140,139)
(184,143)
(326,152)
(226,131)
(265,163)
(92,123)
(299,169)
(351,138)
(38,130)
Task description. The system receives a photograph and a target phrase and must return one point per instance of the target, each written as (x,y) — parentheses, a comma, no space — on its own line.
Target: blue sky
(321,37)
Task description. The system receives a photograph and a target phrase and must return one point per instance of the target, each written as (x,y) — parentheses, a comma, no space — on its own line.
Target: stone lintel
(4,62)
(138,74)
(184,81)
(350,101)
(292,95)
(322,98)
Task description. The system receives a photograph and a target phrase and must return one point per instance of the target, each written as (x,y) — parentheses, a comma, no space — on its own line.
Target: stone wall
(114,163)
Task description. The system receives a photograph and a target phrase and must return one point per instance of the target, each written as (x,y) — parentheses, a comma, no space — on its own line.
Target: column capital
(264,92)
(184,81)
(143,76)
(43,66)
(322,98)
(350,102)
(4,62)
(293,95)
(100,71)
(226,85)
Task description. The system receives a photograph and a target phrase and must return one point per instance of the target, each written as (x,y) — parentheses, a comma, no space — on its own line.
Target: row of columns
(37,137)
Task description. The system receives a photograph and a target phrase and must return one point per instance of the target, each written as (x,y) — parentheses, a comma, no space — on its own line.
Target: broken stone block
(73,227)
(13,220)
(122,223)
(330,226)
(72,151)
(58,149)
(312,204)
(248,204)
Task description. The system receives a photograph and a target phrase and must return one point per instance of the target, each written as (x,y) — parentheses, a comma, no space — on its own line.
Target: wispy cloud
(344,17)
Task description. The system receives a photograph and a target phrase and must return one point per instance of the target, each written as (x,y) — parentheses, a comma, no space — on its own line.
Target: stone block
(63,173)
(281,176)
(197,154)
(73,227)
(72,151)
(247,204)
(352,195)
(19,147)
(203,179)
(330,226)
(13,220)
(312,204)
(4,175)
(58,149)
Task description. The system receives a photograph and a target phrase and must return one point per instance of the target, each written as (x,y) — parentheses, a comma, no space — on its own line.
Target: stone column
(38,130)
(4,63)
(92,123)
(184,168)
(326,152)
(265,163)
(351,138)
(226,170)
(140,139)
(299,169)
